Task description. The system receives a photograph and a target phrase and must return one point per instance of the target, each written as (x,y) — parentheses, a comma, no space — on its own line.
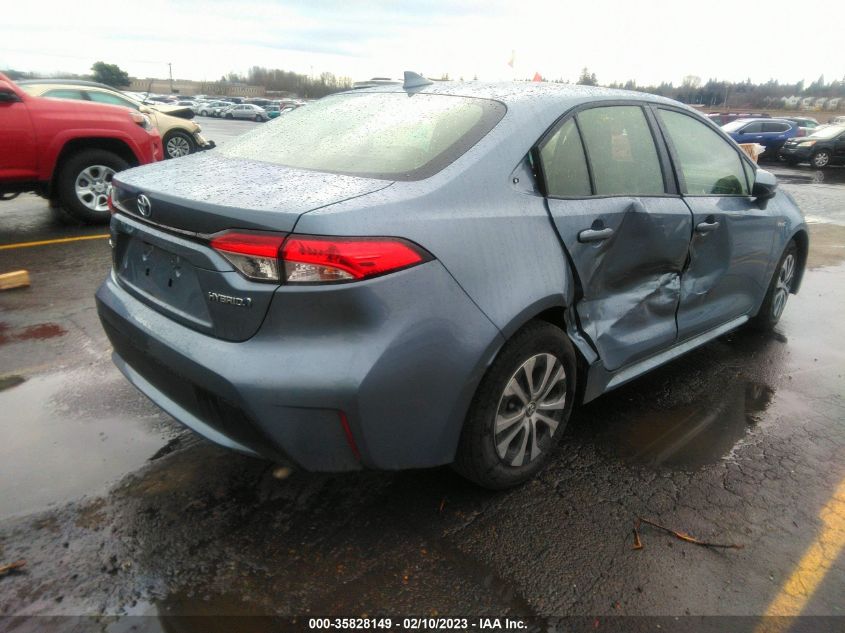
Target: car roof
(513,92)
(67,82)
(769,120)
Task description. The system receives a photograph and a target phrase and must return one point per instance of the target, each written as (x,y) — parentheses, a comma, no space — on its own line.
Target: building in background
(189,88)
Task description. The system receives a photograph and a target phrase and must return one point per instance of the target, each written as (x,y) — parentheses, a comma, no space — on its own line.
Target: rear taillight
(801,132)
(315,259)
(256,255)
(310,259)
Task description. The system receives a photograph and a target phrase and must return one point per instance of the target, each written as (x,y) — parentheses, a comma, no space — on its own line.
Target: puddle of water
(690,436)
(70,434)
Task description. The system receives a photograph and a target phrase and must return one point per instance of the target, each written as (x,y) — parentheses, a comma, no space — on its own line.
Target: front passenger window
(710,166)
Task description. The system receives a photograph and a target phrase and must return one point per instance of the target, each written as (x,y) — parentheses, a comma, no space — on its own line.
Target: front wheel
(820,159)
(779,289)
(520,409)
(83,181)
(229,116)
(178,143)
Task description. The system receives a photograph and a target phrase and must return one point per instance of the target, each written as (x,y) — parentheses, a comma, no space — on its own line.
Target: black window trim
(670,189)
(673,153)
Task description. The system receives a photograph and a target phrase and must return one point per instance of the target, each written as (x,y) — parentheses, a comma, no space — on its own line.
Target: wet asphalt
(118,511)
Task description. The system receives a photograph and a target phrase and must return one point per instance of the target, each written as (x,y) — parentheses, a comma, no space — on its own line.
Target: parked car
(723,118)
(272,110)
(837,120)
(69,151)
(180,136)
(245,111)
(209,108)
(821,149)
(443,284)
(806,125)
(770,133)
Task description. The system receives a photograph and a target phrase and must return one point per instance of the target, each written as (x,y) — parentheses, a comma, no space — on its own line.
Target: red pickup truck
(68,151)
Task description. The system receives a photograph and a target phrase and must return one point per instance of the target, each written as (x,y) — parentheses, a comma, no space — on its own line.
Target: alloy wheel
(92,187)
(783,285)
(821,159)
(178,146)
(530,410)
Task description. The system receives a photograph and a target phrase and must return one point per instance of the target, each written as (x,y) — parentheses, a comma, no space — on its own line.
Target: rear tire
(779,288)
(520,409)
(82,184)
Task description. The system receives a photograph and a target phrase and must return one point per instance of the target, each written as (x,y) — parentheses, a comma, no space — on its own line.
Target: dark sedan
(823,148)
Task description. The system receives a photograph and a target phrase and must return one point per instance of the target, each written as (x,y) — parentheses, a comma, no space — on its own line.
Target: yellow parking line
(818,559)
(61,240)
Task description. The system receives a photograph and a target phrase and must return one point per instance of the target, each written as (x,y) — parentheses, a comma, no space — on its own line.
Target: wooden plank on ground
(15,279)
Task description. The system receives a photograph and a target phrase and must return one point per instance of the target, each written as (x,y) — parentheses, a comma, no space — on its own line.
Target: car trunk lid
(161,251)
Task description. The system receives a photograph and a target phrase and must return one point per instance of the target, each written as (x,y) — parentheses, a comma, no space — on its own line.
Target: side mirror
(7,93)
(765,186)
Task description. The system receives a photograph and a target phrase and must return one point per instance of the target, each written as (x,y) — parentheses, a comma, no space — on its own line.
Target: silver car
(422,274)
(246,111)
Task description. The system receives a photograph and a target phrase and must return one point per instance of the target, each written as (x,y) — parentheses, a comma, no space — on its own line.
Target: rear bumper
(399,357)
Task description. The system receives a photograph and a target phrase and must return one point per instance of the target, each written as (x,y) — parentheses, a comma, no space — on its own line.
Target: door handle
(594,235)
(706,227)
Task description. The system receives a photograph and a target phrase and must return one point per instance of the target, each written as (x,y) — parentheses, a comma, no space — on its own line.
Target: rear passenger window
(621,151)
(564,164)
(709,164)
(775,127)
(64,94)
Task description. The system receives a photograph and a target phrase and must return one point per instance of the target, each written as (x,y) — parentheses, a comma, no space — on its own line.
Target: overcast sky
(649,41)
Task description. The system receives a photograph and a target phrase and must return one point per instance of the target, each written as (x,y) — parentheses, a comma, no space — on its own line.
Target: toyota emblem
(145,207)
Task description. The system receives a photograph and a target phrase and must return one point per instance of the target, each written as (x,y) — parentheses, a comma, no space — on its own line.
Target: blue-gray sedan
(414,275)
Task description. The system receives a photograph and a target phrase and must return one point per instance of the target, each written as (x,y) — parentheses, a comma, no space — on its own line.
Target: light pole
(170,72)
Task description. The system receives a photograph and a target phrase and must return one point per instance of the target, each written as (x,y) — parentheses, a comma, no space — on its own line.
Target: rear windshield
(394,136)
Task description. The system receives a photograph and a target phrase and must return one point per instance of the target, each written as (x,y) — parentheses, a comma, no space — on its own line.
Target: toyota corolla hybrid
(414,275)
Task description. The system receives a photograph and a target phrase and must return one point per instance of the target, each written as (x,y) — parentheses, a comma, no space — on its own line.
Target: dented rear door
(630,281)
(627,235)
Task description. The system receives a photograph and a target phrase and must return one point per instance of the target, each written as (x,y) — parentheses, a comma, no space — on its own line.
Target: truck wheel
(83,182)
(178,143)
(520,409)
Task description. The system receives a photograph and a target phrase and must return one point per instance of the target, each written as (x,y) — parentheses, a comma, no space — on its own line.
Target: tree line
(277,80)
(716,93)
